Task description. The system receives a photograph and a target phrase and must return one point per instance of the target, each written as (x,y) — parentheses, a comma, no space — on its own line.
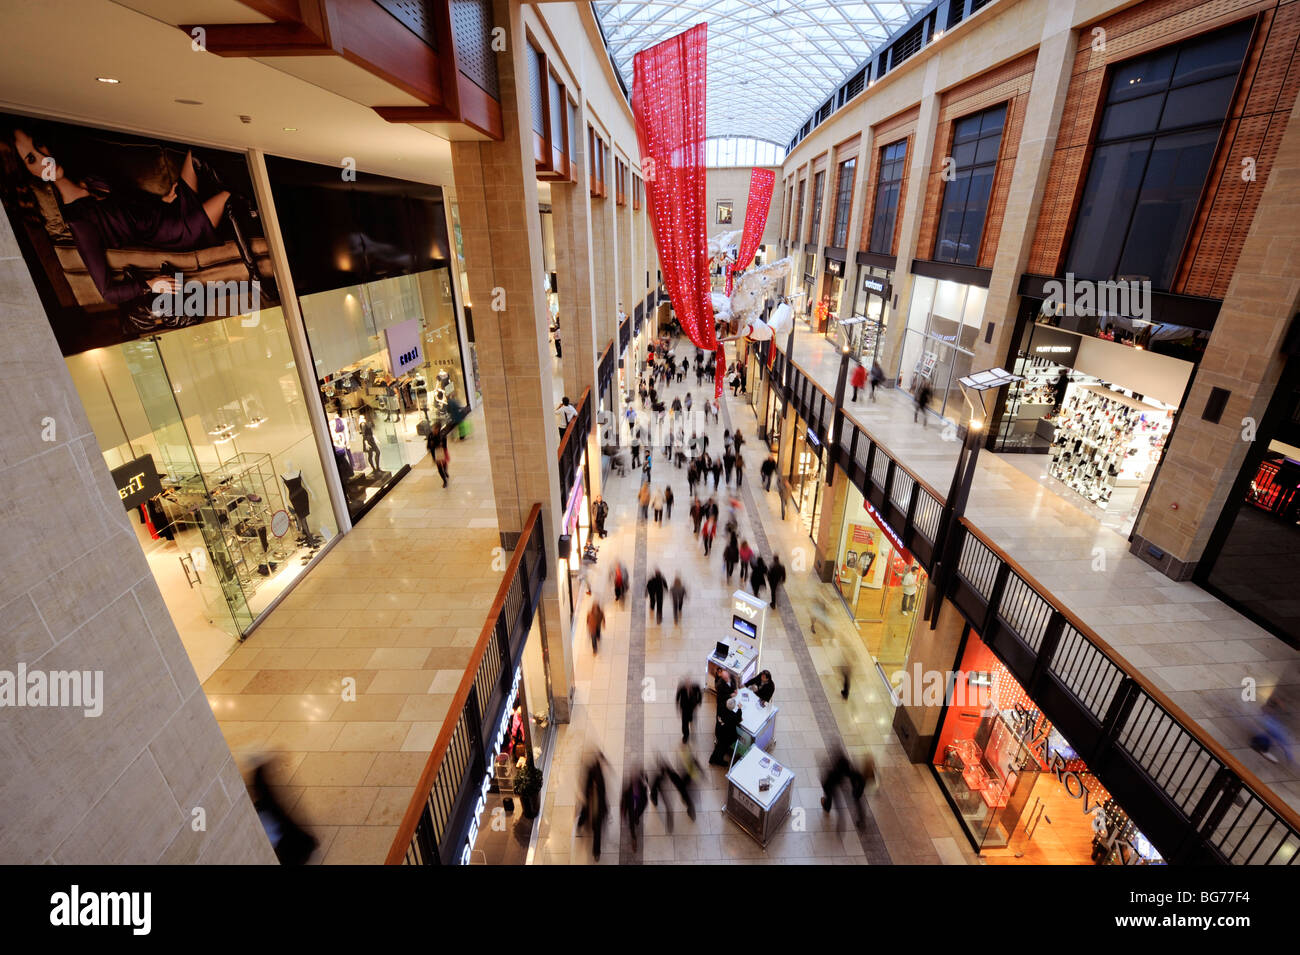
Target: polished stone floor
(625,694)
(396,606)
(1195,648)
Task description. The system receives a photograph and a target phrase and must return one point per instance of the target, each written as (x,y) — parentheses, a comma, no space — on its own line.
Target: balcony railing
(573,444)
(438,821)
(1193,799)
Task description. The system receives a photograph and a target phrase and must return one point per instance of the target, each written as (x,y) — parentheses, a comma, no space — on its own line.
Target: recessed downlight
(190,102)
(107,79)
(290,129)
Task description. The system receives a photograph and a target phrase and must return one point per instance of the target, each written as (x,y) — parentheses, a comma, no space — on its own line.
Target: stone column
(916,721)
(918,174)
(121,785)
(1042,122)
(496,186)
(848,292)
(1243,357)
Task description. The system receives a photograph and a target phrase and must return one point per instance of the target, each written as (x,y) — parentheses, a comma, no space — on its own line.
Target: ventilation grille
(855,85)
(909,44)
(471,24)
(415,15)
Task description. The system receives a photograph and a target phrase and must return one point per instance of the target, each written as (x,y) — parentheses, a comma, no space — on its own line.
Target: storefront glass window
(807,474)
(388,364)
(1023,793)
(880,582)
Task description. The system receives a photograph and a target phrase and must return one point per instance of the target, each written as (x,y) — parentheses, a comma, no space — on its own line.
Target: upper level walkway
(1192,646)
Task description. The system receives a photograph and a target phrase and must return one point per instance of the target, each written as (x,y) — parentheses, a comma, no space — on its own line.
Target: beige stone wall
(76,594)
(732,183)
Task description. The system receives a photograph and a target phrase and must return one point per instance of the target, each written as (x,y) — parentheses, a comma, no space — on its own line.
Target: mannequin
(371,446)
(299,495)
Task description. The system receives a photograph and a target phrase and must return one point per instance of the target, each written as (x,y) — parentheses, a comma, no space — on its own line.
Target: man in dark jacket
(655,588)
(775,577)
(602,514)
(689,697)
(767,469)
(678,591)
(726,733)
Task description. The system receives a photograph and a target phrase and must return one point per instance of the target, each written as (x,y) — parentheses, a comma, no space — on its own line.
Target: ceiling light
(107,79)
(290,129)
(189,102)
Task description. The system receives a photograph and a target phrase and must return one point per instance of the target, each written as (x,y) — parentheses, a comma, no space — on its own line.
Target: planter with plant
(528,787)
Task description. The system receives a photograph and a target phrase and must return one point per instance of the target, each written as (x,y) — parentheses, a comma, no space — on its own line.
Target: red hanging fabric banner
(761,182)
(668,97)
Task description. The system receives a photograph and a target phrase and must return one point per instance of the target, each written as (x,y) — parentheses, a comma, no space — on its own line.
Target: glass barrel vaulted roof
(771,62)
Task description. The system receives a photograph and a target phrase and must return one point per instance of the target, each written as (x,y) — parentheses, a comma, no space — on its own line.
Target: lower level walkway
(345,686)
(625,700)
(1191,645)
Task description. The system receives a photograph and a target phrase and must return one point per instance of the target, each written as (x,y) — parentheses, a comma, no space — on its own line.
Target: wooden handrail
(411,820)
(568,428)
(1288,814)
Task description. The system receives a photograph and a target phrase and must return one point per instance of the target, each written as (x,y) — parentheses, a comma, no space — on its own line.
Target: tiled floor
(625,702)
(1189,644)
(396,606)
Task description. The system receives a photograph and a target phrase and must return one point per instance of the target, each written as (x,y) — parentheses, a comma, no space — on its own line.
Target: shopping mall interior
(455,432)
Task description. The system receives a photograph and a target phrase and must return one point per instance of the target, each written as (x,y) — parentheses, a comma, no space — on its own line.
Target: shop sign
(404,347)
(1054,345)
(137,481)
(870,284)
(813,440)
(498,741)
(889,531)
(1035,734)
(834,267)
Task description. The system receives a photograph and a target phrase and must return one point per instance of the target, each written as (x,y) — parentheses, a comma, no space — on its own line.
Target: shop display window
(882,585)
(379,406)
(942,327)
(1022,792)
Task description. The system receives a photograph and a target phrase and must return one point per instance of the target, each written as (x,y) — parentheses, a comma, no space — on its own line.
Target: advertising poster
(128,236)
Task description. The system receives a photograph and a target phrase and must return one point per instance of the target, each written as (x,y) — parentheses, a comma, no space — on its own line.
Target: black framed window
(976,141)
(798,222)
(1155,145)
(889,183)
(843,202)
(814,227)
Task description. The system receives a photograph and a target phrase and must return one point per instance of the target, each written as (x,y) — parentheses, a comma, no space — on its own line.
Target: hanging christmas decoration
(668,101)
(761,182)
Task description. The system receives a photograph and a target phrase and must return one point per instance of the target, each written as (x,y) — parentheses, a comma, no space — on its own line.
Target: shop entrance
(880,582)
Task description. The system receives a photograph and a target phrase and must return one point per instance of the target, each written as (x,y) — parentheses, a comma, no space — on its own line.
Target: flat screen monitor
(743,626)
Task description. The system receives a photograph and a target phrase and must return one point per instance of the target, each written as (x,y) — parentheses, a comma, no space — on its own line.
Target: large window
(889,185)
(843,201)
(798,222)
(815,226)
(1154,148)
(975,143)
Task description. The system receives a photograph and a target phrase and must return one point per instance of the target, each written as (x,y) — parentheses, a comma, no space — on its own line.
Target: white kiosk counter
(757,721)
(759,811)
(741,662)
(744,644)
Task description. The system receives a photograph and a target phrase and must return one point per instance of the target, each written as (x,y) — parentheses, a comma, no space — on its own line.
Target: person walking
(731,554)
(877,378)
(657,505)
(655,588)
(728,463)
(643,499)
(839,771)
(636,449)
(595,621)
(621,580)
(923,394)
(717,473)
(758,576)
(767,469)
(697,514)
(680,781)
(678,593)
(636,795)
(595,807)
(567,413)
(708,532)
(746,560)
(857,378)
(602,515)
(909,590)
(668,502)
(689,697)
(740,470)
(775,577)
(441,457)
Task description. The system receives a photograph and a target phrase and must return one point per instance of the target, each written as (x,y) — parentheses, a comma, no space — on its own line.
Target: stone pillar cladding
(1037,144)
(628,283)
(605,279)
(916,724)
(497,190)
(918,173)
(1243,357)
(77,595)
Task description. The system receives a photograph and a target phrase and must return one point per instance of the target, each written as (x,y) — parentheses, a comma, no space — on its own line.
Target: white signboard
(405,350)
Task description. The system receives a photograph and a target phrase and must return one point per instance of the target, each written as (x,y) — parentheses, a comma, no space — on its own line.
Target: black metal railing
(1188,795)
(441,815)
(605,370)
(1193,799)
(624,335)
(572,444)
